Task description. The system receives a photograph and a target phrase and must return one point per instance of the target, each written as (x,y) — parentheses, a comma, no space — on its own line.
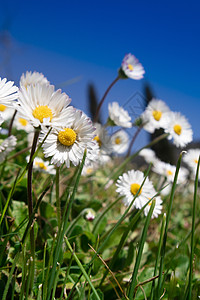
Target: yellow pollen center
(134,188)
(130,67)
(157,114)
(117,141)
(67,137)
(98,140)
(41,112)
(169,172)
(2,107)
(89,171)
(196,161)
(41,165)
(177,129)
(23,122)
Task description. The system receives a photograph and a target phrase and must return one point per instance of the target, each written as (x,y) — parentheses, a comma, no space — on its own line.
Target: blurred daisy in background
(157,209)
(154,116)
(129,184)
(42,105)
(179,129)
(118,115)
(120,142)
(32,78)
(6,112)
(131,68)
(102,138)
(6,146)
(8,92)
(22,124)
(191,160)
(43,166)
(149,155)
(67,143)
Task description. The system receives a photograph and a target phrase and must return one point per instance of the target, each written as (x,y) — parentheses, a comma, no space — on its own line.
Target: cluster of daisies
(66,132)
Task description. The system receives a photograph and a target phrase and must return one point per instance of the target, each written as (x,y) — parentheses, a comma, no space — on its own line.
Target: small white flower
(128,185)
(102,138)
(67,143)
(90,214)
(179,129)
(8,92)
(119,115)
(6,146)
(32,78)
(22,124)
(131,67)
(89,169)
(6,112)
(43,166)
(157,209)
(154,116)
(168,171)
(120,141)
(41,105)
(149,155)
(191,159)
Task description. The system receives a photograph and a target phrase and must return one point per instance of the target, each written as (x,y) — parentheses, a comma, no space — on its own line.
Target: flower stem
(133,140)
(58,209)
(11,123)
(30,199)
(103,98)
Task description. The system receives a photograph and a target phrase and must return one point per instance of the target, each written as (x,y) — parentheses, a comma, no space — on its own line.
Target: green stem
(58,197)
(103,98)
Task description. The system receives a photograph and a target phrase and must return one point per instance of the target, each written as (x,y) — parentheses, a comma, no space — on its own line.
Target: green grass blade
(140,250)
(10,276)
(159,287)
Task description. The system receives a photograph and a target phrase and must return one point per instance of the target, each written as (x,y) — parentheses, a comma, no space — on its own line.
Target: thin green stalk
(55,282)
(158,254)
(140,250)
(10,276)
(44,261)
(189,289)
(29,278)
(74,222)
(159,286)
(99,218)
(24,272)
(63,227)
(82,269)
(58,208)
(39,292)
(103,98)
(11,123)
(66,277)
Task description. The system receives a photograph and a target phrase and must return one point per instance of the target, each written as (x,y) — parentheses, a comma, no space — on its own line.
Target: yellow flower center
(177,129)
(41,112)
(67,137)
(134,189)
(98,140)
(169,172)
(196,161)
(157,114)
(41,165)
(130,67)
(23,122)
(89,171)
(2,107)
(117,141)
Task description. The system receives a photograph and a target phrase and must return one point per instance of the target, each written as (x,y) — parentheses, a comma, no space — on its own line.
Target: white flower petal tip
(119,115)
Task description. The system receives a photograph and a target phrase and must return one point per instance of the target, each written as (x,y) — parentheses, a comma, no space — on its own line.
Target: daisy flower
(6,112)
(148,155)
(154,116)
(129,184)
(32,78)
(157,209)
(102,138)
(191,160)
(120,141)
(8,92)
(22,124)
(119,116)
(43,166)
(67,143)
(131,68)
(6,146)
(1,120)
(168,171)
(179,129)
(42,105)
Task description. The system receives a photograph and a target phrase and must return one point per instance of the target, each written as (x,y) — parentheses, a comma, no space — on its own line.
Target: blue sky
(87,40)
